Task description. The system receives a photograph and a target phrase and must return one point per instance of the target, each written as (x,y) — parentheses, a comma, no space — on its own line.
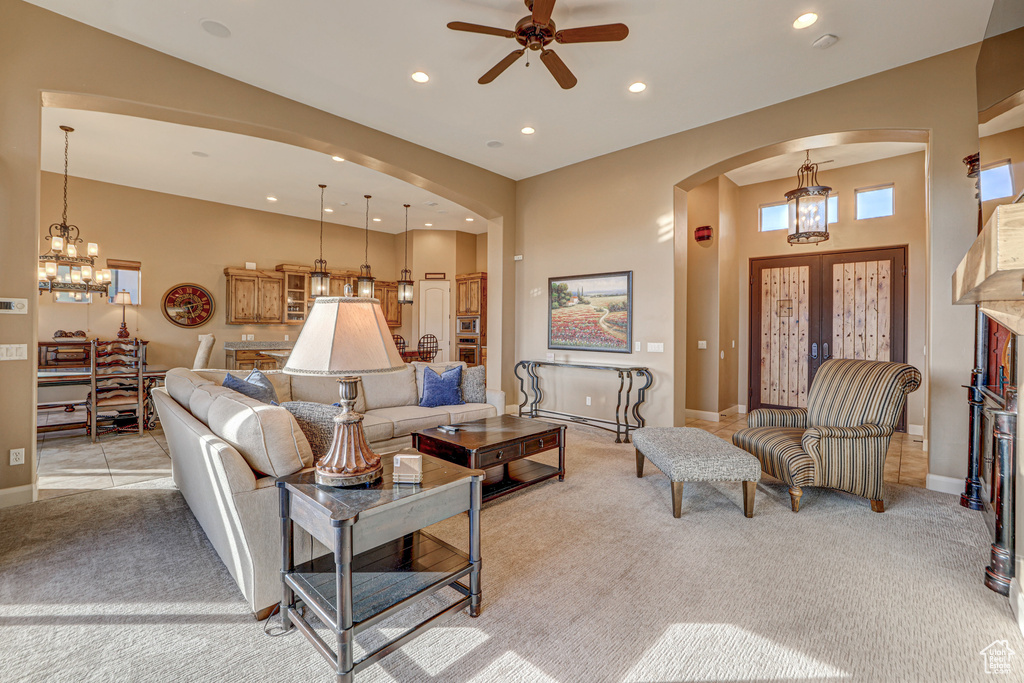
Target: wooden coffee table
(499,442)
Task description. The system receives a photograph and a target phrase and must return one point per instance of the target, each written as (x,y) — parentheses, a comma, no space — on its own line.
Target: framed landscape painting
(591,312)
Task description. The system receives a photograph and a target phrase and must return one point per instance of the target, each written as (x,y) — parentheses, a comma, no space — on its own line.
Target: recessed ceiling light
(469,220)
(528,130)
(637,87)
(376,220)
(337,158)
(805,20)
(429,225)
(494,144)
(420,77)
(215,28)
(271,198)
(328,210)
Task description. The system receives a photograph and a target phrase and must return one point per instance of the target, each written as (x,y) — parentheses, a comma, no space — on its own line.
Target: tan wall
(907,227)
(617,211)
(439,251)
(179,240)
(702,313)
(481,254)
(61,62)
(728,294)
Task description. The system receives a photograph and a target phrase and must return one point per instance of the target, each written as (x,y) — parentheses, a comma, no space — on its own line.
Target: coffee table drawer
(501,455)
(536,444)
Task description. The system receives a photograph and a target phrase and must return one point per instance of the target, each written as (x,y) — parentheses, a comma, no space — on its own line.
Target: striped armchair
(840,440)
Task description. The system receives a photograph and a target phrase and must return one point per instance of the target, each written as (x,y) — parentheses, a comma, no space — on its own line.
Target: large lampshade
(344,336)
(808,207)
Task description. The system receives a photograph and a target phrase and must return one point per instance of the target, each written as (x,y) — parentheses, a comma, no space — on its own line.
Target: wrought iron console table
(625,373)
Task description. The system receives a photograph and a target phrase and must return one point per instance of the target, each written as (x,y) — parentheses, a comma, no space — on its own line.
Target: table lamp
(124,299)
(343,337)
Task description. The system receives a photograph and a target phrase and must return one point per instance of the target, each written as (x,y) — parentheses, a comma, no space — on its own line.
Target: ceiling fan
(536,31)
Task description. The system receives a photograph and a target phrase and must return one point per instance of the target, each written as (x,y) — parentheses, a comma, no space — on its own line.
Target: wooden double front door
(807,309)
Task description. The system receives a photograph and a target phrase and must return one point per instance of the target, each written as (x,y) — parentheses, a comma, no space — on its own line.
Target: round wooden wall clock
(188,305)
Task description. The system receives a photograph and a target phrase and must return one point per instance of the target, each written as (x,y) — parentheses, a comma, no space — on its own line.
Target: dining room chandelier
(63,268)
(364,283)
(320,278)
(405,284)
(808,206)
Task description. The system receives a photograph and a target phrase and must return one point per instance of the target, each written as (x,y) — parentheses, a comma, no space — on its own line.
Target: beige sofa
(227,450)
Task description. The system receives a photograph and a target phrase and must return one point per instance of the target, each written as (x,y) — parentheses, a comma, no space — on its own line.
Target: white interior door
(435,313)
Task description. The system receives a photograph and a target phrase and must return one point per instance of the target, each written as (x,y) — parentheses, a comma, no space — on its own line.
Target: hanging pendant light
(405,285)
(364,283)
(82,276)
(320,278)
(808,207)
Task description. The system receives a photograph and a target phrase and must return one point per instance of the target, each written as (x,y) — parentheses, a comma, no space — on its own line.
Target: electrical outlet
(734,343)
(17,456)
(287,338)
(722,354)
(588,400)
(244,337)
(702,345)
(252,337)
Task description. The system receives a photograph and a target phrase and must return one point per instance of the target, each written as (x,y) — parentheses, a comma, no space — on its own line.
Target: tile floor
(906,462)
(69,462)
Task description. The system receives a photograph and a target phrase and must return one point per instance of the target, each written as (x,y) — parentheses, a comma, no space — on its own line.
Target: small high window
(996,181)
(773,217)
(833,209)
(125,276)
(875,202)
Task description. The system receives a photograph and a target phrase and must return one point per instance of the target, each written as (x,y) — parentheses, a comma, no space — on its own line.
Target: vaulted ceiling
(702,61)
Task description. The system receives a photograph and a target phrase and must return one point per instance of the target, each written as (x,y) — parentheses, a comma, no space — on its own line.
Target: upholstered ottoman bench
(688,454)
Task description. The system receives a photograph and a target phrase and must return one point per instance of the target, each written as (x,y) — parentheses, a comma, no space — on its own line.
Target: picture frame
(591,312)
(434,276)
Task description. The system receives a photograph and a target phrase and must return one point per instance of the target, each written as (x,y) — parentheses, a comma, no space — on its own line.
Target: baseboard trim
(702,415)
(734,410)
(1017,601)
(915,430)
(512,409)
(18,495)
(950,485)
(742,409)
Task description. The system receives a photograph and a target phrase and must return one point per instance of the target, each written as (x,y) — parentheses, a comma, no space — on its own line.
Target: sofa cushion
(203,397)
(408,419)
(282,382)
(181,382)
(439,368)
(266,436)
(469,411)
(474,384)
(322,390)
(255,385)
(390,389)
(377,428)
(441,389)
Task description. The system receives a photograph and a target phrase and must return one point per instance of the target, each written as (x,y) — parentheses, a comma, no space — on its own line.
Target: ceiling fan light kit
(535,32)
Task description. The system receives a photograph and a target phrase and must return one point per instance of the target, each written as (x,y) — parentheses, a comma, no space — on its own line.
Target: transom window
(773,217)
(833,209)
(875,202)
(996,181)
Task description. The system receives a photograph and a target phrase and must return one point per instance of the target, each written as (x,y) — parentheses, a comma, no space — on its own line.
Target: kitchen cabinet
(254,297)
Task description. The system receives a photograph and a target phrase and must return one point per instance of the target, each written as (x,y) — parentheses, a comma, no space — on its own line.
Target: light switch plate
(517,257)
(637,346)
(13,351)
(14,306)
(655,347)
(702,345)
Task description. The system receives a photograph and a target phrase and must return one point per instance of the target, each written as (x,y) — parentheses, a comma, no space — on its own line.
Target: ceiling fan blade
(542,11)
(593,34)
(558,69)
(501,66)
(477,28)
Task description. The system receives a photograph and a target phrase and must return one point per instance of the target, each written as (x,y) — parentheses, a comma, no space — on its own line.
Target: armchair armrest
(496,398)
(858,432)
(795,418)
(834,448)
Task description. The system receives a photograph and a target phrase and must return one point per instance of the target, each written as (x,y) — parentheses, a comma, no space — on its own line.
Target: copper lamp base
(349,461)
(123,333)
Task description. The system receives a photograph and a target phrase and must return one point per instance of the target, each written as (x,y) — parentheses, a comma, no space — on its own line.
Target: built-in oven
(468,349)
(469,325)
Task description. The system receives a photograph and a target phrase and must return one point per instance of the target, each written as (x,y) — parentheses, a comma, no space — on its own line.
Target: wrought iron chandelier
(364,283)
(405,284)
(320,278)
(808,206)
(81,277)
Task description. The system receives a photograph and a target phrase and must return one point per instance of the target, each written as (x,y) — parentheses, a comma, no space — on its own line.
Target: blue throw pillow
(256,385)
(442,390)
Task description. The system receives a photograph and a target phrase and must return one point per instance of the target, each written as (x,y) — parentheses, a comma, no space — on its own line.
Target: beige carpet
(590,579)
